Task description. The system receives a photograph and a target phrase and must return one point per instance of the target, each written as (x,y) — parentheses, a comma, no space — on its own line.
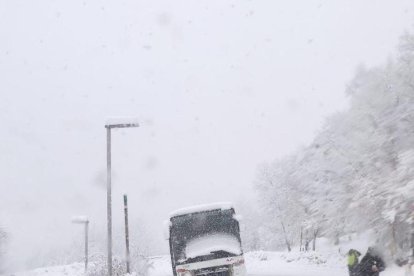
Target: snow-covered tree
(358,172)
(276,183)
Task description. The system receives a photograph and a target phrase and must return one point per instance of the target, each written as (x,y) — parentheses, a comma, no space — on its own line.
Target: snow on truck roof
(202,208)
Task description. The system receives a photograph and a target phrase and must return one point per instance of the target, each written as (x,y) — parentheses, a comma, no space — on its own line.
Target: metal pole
(411,258)
(412,244)
(108,195)
(128,260)
(109,198)
(86,245)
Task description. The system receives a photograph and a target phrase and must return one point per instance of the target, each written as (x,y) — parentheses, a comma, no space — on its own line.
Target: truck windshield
(215,231)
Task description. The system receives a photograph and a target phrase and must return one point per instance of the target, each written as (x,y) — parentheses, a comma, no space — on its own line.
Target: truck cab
(205,240)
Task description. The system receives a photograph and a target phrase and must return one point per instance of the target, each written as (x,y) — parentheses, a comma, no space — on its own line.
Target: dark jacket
(368,263)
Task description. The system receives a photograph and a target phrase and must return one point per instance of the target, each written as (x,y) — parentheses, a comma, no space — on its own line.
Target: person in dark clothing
(371,264)
(353,260)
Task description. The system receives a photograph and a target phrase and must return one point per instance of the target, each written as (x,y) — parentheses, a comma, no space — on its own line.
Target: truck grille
(213,271)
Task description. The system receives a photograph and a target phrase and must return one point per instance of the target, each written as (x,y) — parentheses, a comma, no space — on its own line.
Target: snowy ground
(65,270)
(284,264)
(257,263)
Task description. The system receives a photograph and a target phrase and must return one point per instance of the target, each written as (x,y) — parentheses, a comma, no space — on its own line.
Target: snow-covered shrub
(139,266)
(99,266)
(304,257)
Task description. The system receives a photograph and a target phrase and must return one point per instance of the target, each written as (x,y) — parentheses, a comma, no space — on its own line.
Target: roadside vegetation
(357,174)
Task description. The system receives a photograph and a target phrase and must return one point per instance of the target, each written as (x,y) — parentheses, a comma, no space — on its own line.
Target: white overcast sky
(219,87)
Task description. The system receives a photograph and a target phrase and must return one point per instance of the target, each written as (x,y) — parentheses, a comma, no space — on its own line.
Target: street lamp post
(128,257)
(110,124)
(85,221)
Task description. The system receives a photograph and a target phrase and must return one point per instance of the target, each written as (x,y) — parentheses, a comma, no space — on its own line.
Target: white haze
(218,86)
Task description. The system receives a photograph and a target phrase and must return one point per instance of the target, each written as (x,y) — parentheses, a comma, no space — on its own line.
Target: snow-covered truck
(205,240)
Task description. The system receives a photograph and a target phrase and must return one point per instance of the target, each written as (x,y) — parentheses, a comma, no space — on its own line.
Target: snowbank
(161,266)
(394,271)
(257,263)
(76,269)
(293,263)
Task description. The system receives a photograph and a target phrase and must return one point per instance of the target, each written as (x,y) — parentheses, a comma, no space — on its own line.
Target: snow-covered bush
(304,257)
(99,266)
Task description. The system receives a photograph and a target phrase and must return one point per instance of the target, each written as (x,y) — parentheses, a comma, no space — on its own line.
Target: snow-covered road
(257,264)
(275,264)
